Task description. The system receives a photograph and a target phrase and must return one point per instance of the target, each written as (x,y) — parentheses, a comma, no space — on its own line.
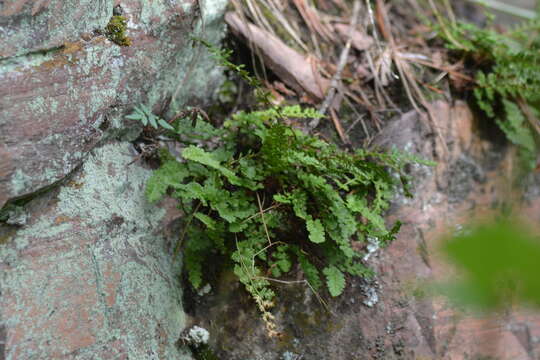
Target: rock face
(391,317)
(65,86)
(90,275)
(85,267)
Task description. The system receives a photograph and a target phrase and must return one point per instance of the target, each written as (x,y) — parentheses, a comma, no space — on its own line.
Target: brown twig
(529,115)
(264,211)
(359,119)
(446,69)
(409,82)
(339,128)
(336,79)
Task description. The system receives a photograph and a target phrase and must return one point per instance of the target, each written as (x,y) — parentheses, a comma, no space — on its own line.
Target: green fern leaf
(193,264)
(310,271)
(194,274)
(196,154)
(152,119)
(165,125)
(335,280)
(192,191)
(144,120)
(282,259)
(171,173)
(316,231)
(206,220)
(360,206)
(515,127)
(295,111)
(135,116)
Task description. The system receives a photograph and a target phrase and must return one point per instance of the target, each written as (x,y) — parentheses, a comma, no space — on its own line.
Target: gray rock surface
(86,269)
(91,275)
(64,86)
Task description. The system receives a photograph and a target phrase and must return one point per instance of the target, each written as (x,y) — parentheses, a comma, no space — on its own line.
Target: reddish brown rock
(64,86)
(392,317)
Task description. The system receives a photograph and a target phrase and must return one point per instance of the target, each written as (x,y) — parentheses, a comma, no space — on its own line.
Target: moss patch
(116,31)
(204,353)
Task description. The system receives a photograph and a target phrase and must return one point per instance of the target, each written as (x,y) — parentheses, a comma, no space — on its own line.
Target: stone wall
(85,265)
(65,86)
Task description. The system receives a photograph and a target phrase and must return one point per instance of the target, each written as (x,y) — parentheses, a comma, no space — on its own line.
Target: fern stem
(263,221)
(184,231)
(444,28)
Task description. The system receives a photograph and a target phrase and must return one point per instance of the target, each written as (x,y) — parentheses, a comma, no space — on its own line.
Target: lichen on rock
(60,87)
(91,272)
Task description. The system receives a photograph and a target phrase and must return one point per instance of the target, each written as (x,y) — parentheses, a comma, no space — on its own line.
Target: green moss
(116,31)
(204,353)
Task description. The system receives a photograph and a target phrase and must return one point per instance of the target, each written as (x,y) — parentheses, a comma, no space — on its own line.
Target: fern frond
(335,280)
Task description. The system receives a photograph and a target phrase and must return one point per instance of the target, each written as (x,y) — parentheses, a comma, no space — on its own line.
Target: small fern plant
(144,114)
(273,200)
(508,78)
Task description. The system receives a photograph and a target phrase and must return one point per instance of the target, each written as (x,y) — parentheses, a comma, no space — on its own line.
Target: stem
(184,231)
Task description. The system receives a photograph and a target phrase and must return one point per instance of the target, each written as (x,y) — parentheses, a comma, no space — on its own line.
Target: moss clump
(116,31)
(204,353)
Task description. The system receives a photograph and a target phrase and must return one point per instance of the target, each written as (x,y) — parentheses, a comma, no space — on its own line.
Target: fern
(300,179)
(335,280)
(310,271)
(170,173)
(515,127)
(508,82)
(273,199)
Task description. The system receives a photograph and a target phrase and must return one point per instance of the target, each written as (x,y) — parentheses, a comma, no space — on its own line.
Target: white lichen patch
(106,238)
(196,336)
(17,216)
(372,247)
(20,182)
(206,289)
(288,355)
(372,296)
(114,189)
(212,10)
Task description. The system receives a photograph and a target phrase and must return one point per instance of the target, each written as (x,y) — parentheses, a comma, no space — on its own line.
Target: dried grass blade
(336,79)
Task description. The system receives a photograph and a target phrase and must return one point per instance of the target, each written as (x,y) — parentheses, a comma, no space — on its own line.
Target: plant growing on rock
(507,85)
(274,200)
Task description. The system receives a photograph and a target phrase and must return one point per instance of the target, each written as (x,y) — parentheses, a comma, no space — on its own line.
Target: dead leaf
(289,65)
(359,40)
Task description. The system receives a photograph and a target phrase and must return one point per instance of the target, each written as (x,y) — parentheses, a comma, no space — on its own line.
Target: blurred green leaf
(500,263)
